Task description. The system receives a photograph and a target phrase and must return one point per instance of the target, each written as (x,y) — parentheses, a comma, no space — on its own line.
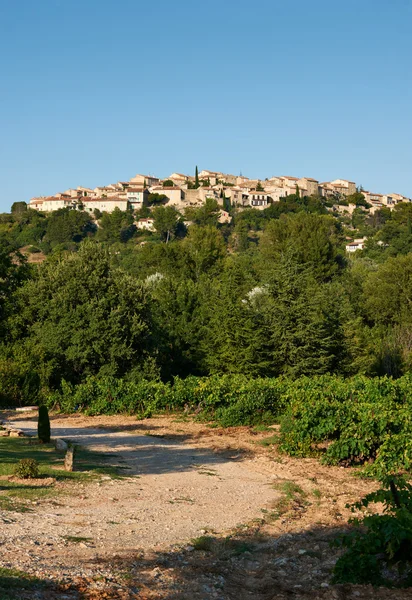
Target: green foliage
(207,214)
(353,421)
(27,468)
(230,400)
(18,207)
(155,199)
(80,317)
(312,239)
(43,425)
(168,183)
(166,219)
(379,550)
(117,226)
(66,225)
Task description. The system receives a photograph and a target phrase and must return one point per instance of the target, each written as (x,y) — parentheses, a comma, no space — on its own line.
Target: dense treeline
(271,294)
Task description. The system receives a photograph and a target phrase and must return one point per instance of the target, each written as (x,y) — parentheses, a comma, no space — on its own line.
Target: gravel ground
(132,538)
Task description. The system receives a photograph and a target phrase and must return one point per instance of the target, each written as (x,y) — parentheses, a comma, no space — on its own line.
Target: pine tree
(43,425)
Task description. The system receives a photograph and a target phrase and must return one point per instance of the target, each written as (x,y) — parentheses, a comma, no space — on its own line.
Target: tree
(157,199)
(203,250)
(18,208)
(197,184)
(117,226)
(82,317)
(303,323)
(168,183)
(66,225)
(314,241)
(43,425)
(259,187)
(166,220)
(207,214)
(13,272)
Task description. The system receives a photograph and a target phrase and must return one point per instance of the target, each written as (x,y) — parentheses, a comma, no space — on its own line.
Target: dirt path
(174,491)
(185,480)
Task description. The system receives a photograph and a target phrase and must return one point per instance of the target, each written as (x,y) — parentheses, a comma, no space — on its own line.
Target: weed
(73,539)
(261,428)
(270,441)
(317,493)
(293,496)
(27,468)
(204,543)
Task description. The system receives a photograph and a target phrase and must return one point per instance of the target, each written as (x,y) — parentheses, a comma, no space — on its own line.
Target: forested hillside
(272,294)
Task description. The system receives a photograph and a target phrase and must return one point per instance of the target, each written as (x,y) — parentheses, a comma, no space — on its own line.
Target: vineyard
(342,421)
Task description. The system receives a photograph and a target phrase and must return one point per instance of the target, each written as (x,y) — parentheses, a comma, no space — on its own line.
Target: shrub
(379,550)
(43,425)
(27,468)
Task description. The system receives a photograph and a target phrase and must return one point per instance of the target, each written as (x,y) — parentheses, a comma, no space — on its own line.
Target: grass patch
(261,428)
(223,548)
(15,585)
(269,441)
(73,539)
(317,493)
(293,498)
(88,465)
(210,473)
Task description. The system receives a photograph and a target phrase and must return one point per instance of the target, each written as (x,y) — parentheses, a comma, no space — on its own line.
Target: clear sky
(95,91)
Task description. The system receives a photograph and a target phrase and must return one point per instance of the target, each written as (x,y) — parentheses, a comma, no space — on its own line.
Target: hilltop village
(183,191)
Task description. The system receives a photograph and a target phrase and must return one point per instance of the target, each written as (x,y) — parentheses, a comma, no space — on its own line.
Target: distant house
(145,224)
(259,200)
(137,196)
(174,194)
(358,244)
(224,217)
(145,180)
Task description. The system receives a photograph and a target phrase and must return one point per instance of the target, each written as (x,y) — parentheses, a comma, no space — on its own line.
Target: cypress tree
(43,425)
(197,184)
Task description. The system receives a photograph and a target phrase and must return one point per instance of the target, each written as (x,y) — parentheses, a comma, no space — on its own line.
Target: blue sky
(95,91)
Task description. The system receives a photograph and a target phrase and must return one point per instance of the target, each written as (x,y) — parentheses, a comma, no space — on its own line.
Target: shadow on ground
(139,453)
(248,565)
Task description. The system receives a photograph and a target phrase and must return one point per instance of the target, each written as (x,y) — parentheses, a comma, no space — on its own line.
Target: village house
(145,224)
(259,200)
(358,244)
(237,195)
(137,196)
(210,176)
(276,192)
(145,180)
(224,217)
(174,194)
(178,178)
(308,186)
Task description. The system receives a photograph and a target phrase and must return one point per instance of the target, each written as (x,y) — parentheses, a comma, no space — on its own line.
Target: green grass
(223,548)
(292,495)
(15,585)
(88,465)
(76,539)
(261,428)
(270,441)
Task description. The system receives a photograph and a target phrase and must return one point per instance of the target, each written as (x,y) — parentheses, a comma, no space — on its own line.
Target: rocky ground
(199,513)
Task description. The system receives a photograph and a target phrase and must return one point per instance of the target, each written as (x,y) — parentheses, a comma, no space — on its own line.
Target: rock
(16,433)
(324,585)
(26,408)
(301,552)
(4,433)
(61,444)
(69,459)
